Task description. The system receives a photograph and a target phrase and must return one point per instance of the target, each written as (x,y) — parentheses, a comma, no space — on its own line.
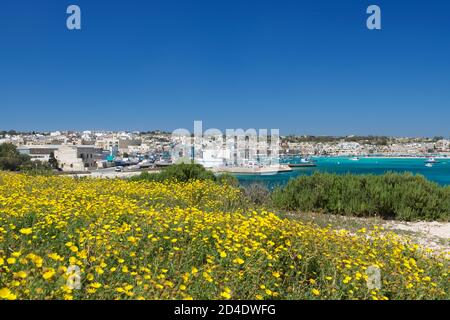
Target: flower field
(169,240)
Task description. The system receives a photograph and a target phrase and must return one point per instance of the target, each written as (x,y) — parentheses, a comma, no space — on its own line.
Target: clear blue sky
(306,67)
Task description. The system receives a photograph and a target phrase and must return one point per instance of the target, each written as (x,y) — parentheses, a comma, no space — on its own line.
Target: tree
(10,158)
(52,161)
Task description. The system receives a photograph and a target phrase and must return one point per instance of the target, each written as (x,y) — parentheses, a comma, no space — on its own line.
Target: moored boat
(431,160)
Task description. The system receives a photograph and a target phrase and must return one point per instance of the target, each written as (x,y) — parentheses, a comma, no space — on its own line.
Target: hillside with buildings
(90,150)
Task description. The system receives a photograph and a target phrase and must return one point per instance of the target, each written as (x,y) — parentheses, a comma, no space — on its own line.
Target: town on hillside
(93,150)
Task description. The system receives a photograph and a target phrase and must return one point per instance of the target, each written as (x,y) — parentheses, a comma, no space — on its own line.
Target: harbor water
(438,172)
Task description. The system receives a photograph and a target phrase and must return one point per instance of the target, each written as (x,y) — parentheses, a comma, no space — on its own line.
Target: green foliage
(53,163)
(36,168)
(257,194)
(180,172)
(10,158)
(227,179)
(392,195)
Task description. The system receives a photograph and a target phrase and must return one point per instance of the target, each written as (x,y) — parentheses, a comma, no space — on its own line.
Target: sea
(439,172)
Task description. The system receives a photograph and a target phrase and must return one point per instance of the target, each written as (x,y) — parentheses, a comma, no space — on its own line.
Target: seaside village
(97,150)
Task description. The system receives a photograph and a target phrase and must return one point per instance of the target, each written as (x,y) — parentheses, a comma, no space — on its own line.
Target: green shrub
(392,195)
(10,158)
(227,179)
(180,172)
(257,194)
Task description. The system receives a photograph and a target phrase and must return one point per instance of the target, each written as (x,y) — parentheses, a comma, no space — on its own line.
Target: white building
(40,153)
(77,157)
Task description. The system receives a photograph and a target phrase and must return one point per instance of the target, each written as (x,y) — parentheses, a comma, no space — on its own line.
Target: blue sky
(305,67)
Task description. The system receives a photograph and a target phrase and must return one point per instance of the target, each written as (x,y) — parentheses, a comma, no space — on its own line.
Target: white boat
(354,159)
(429,165)
(431,160)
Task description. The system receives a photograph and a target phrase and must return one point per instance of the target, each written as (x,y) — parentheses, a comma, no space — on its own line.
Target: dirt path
(433,235)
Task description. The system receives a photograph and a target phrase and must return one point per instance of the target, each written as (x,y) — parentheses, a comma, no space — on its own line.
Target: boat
(354,159)
(254,170)
(431,160)
(302,165)
(429,165)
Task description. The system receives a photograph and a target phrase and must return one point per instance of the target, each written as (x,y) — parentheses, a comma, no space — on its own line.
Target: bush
(179,172)
(10,158)
(227,179)
(392,195)
(257,194)
(37,168)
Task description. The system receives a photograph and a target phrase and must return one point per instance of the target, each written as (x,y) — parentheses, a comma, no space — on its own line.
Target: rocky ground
(434,235)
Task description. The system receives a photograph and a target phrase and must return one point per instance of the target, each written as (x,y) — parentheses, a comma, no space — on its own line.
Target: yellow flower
(347,279)
(5,293)
(26,231)
(96,285)
(48,274)
(121,230)
(21,274)
(128,287)
(55,256)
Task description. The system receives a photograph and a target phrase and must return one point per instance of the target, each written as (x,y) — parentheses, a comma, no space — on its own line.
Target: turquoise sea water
(440,172)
